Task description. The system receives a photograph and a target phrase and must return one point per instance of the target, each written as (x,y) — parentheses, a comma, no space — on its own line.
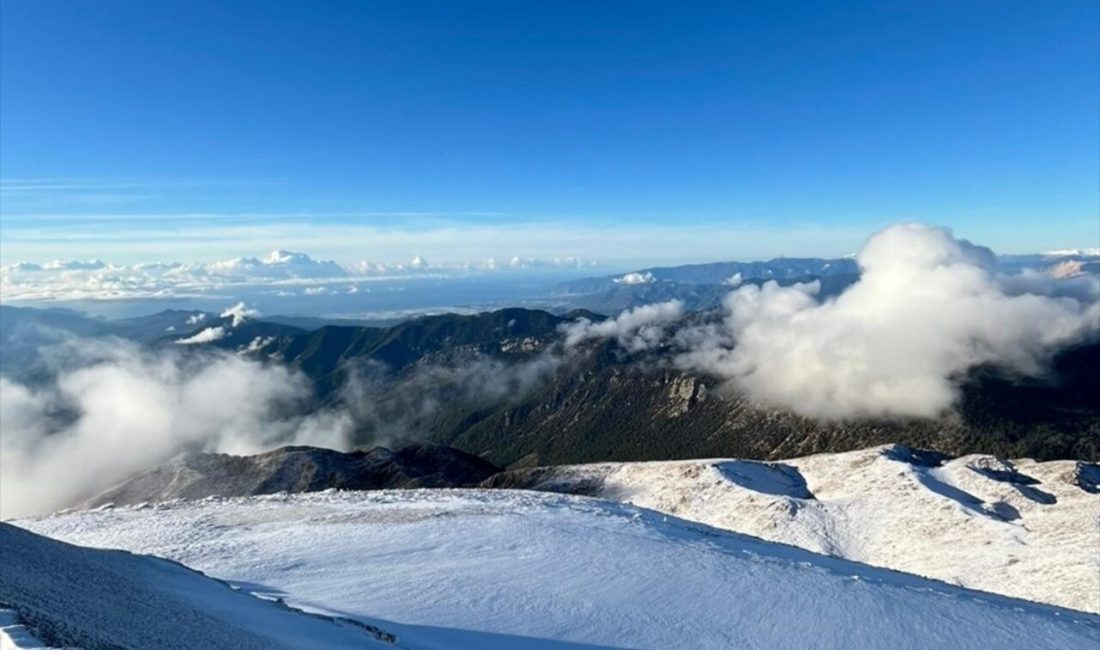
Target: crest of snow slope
(513,569)
(98,599)
(1025,529)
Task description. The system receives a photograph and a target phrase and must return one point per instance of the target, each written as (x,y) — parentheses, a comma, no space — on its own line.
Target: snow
(515,569)
(1025,529)
(97,599)
(14,635)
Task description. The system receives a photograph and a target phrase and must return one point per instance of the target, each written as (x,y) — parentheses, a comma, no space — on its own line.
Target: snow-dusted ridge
(1021,528)
(516,569)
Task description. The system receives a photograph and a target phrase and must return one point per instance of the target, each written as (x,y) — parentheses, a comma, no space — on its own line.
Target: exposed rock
(299,469)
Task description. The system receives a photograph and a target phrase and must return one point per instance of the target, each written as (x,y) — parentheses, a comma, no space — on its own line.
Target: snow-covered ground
(88,598)
(512,569)
(1025,529)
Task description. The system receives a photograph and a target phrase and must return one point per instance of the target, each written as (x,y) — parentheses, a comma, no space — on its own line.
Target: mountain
(1020,528)
(1061,263)
(299,469)
(500,386)
(27,334)
(602,404)
(510,569)
(230,333)
(700,286)
(310,323)
(57,595)
(718,273)
(614,298)
(496,385)
(507,333)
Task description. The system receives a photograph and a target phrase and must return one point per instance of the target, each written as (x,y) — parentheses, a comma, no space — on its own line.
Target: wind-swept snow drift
(508,569)
(69,596)
(1023,528)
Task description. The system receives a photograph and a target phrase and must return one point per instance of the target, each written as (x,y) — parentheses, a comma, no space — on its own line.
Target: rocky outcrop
(299,469)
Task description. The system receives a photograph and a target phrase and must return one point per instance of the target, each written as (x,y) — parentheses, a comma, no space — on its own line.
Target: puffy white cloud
(927,308)
(74,265)
(239,313)
(279,264)
(636,329)
(636,278)
(208,335)
(129,409)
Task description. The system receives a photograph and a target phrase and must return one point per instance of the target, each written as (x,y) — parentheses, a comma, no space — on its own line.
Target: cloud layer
(281,270)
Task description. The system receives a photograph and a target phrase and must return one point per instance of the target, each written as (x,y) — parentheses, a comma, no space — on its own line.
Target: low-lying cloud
(115,409)
(129,409)
(926,308)
(637,329)
(375,405)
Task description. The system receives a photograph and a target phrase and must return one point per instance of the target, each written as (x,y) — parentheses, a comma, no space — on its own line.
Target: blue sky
(640,131)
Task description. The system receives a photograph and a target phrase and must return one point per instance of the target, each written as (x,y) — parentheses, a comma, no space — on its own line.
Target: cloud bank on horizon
(288,273)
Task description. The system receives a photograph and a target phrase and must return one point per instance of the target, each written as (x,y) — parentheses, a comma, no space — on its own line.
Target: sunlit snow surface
(505,569)
(97,599)
(1025,529)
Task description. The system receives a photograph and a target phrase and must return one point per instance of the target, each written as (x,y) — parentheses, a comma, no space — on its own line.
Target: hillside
(1024,529)
(496,569)
(602,404)
(502,386)
(298,469)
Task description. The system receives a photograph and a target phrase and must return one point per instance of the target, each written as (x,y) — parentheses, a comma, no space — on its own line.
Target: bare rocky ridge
(299,469)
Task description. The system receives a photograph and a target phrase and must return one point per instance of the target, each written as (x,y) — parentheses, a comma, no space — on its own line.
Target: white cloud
(239,313)
(131,409)
(635,329)
(279,264)
(636,278)
(74,265)
(28,281)
(927,308)
(208,335)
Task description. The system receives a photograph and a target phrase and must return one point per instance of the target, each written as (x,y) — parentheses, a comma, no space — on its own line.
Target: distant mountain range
(702,286)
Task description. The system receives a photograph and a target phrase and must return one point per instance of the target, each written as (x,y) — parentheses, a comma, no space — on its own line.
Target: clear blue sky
(180,129)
